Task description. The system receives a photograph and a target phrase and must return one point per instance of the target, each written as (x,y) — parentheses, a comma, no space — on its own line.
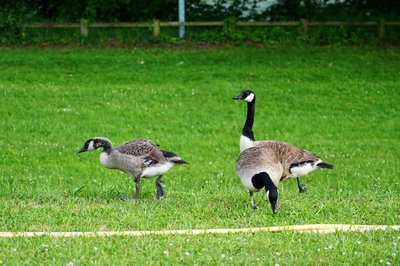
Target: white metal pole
(181,17)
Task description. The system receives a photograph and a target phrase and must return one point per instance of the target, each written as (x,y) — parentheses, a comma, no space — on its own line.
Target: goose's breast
(106,160)
(246,143)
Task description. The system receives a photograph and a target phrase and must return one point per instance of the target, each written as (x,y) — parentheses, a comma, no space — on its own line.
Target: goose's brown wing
(145,149)
(290,156)
(303,157)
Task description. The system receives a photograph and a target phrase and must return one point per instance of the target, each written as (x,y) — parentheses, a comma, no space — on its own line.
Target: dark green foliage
(15,14)
(95,10)
(229,33)
(332,10)
(140,10)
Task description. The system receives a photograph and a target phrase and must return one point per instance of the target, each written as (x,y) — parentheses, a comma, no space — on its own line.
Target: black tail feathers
(325,165)
(179,161)
(169,154)
(173,157)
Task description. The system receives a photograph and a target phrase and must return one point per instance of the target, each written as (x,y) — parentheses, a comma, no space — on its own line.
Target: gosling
(139,158)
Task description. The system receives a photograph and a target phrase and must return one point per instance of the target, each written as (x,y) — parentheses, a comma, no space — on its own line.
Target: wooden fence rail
(156,25)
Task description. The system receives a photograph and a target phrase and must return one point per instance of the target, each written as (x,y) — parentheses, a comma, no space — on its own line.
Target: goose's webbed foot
(125,198)
(253,205)
(302,187)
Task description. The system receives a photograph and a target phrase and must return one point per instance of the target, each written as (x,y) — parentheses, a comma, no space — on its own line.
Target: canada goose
(247,139)
(270,162)
(139,158)
(277,157)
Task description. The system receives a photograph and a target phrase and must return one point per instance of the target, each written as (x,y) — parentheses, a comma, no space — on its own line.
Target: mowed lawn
(341,103)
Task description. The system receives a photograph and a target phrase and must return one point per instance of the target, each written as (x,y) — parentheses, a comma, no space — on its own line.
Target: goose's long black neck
(248,125)
(107,149)
(106,144)
(262,180)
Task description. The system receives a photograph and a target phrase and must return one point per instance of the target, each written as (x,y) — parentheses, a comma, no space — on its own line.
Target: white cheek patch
(249,98)
(91,146)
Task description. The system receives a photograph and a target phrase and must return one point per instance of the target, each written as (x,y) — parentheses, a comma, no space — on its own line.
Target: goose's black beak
(274,206)
(239,97)
(82,150)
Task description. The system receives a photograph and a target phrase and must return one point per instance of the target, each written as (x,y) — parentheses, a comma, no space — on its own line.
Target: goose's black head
(272,193)
(95,143)
(246,95)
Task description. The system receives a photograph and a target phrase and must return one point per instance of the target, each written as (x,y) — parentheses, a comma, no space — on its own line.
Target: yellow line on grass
(307,228)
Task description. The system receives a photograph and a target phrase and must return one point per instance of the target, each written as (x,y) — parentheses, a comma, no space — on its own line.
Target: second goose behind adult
(139,158)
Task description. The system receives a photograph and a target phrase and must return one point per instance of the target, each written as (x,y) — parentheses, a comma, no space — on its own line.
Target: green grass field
(341,103)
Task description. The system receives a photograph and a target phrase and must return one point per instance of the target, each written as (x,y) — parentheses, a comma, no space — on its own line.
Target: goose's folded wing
(141,148)
(303,157)
(291,156)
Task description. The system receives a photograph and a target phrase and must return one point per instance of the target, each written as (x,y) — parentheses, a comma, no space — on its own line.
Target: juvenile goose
(265,165)
(139,158)
(247,138)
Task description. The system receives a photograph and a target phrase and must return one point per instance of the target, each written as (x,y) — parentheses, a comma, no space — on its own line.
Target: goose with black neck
(295,162)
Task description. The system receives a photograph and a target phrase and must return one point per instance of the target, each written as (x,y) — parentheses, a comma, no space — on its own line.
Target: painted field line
(308,228)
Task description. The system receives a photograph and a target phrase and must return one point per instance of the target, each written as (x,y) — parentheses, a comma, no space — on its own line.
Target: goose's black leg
(159,187)
(137,187)
(252,200)
(302,188)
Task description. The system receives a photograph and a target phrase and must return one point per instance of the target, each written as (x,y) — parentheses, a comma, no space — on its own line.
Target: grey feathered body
(136,156)
(279,159)
(289,155)
(253,161)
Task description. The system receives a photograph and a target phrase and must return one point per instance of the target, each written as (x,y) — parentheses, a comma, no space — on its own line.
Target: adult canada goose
(247,138)
(139,158)
(277,157)
(265,165)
